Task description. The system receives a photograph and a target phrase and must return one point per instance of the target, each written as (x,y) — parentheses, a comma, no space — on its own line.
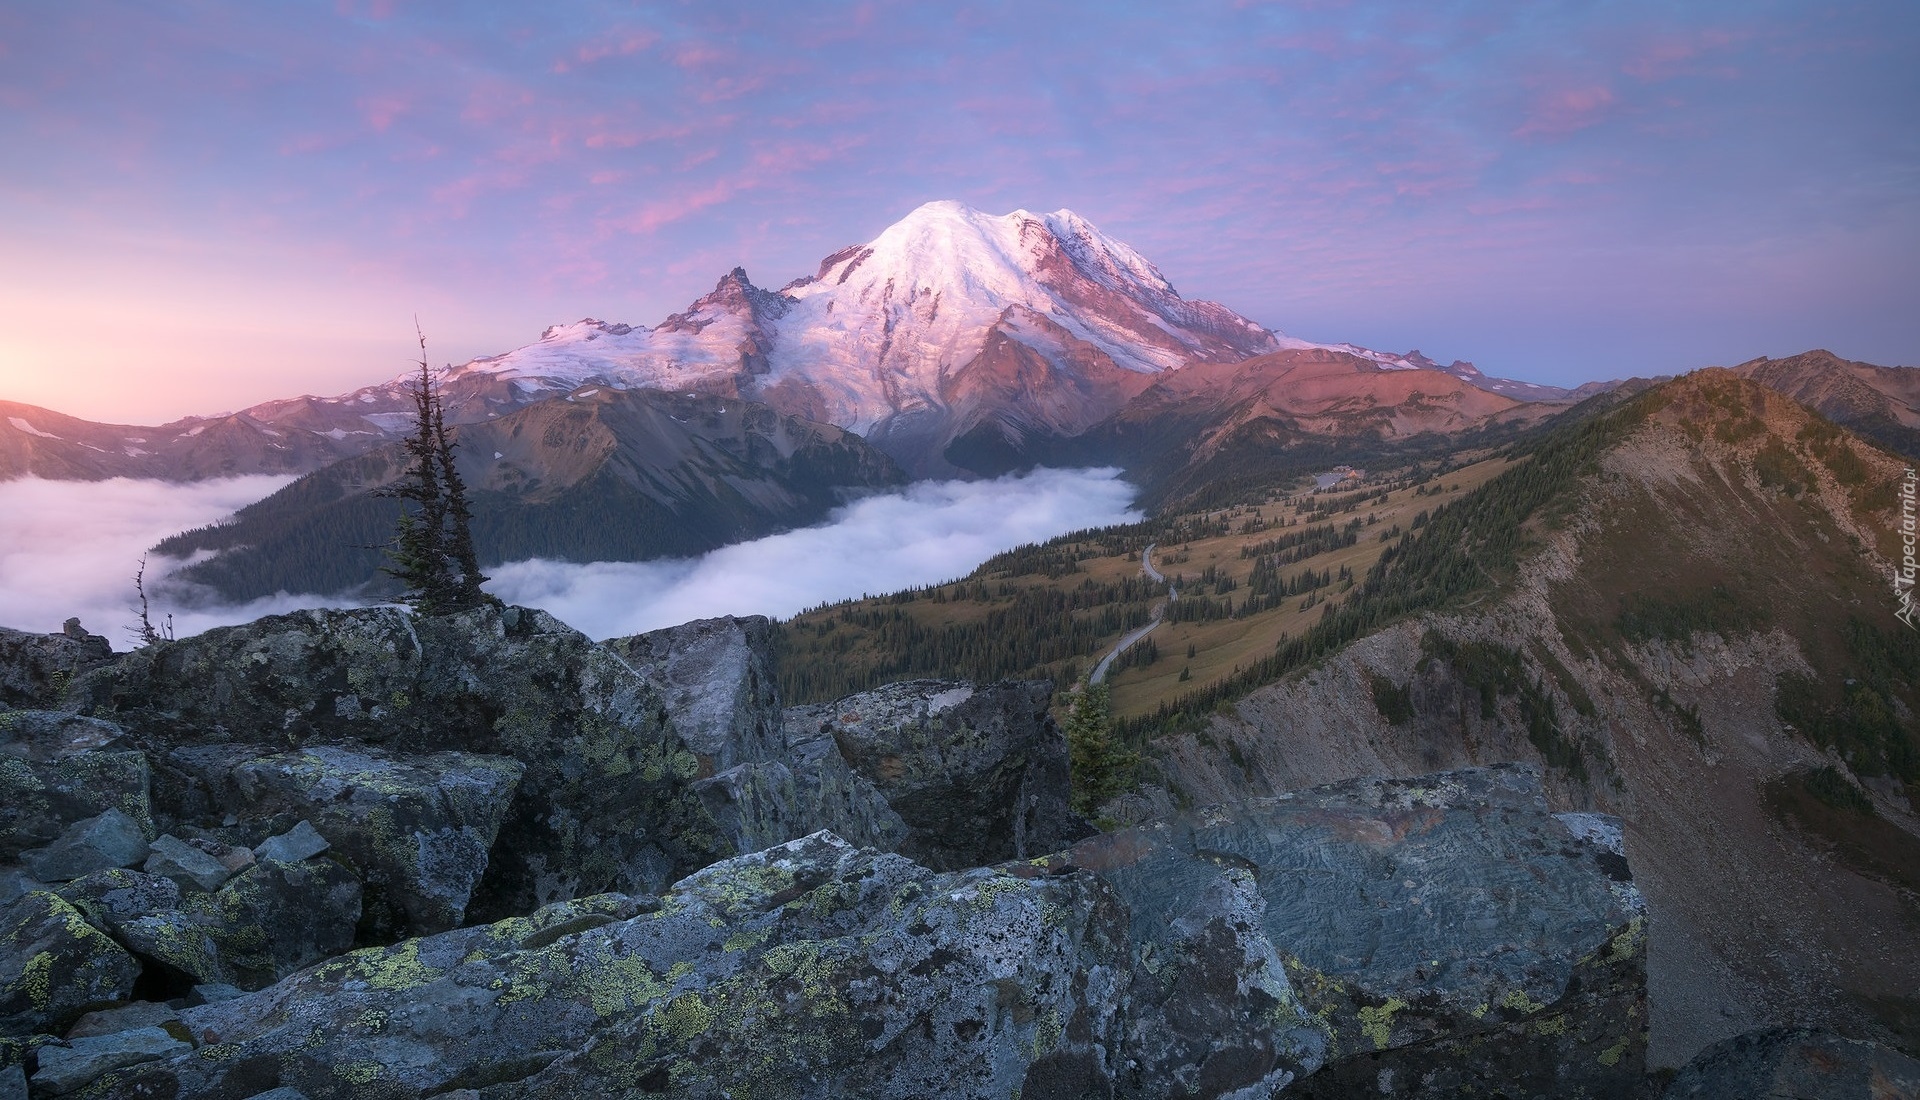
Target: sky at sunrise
(209,204)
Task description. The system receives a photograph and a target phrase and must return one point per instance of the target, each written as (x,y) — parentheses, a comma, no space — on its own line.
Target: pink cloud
(1567,110)
(381,110)
(666,211)
(695,55)
(614,44)
(1665,58)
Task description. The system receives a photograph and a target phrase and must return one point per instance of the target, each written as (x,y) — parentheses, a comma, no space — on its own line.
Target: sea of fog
(70,548)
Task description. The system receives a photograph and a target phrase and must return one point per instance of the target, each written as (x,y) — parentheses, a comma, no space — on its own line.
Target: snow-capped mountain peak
(952,325)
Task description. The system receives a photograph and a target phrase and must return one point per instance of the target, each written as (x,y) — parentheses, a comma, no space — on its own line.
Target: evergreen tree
(1097,766)
(431,552)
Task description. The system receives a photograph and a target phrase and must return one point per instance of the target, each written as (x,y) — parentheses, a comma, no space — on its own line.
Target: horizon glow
(219,204)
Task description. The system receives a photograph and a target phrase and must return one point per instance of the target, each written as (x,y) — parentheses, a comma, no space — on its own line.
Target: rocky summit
(367,854)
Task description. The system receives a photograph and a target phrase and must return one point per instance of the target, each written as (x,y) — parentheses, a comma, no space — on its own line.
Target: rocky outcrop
(1421,938)
(1796,1062)
(54,966)
(418,829)
(1411,937)
(603,801)
(37,668)
(258,927)
(978,773)
(57,770)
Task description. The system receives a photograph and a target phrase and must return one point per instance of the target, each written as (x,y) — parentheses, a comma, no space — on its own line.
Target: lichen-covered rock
(1445,935)
(418,829)
(716,678)
(46,735)
(302,841)
(58,768)
(171,857)
(37,669)
(1437,937)
(138,1014)
(54,966)
(977,772)
(64,1068)
(812,969)
(604,803)
(762,784)
(106,840)
(261,925)
(1796,1062)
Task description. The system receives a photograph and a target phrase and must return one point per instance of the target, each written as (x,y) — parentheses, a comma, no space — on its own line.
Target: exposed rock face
(1416,937)
(419,829)
(717,680)
(604,800)
(54,966)
(111,839)
(977,773)
(36,668)
(1796,1062)
(260,926)
(1423,937)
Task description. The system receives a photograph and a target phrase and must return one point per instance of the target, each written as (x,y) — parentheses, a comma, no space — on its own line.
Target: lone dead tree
(432,548)
(145,633)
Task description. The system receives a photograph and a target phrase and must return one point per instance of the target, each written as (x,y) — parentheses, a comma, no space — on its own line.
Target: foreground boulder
(57,769)
(604,802)
(258,927)
(1795,1062)
(55,967)
(1430,938)
(419,829)
(978,773)
(36,669)
(1445,936)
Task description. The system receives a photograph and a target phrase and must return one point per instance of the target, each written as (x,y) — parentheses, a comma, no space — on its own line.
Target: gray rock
(1440,937)
(261,925)
(810,969)
(112,897)
(111,839)
(1795,1062)
(138,1014)
(15,884)
(41,798)
(185,864)
(418,829)
(977,773)
(604,802)
(55,967)
(838,798)
(283,1093)
(302,841)
(43,736)
(36,669)
(83,1061)
(213,993)
(716,678)
(13,1083)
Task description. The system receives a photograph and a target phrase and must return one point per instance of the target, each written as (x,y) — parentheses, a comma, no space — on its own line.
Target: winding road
(1159,614)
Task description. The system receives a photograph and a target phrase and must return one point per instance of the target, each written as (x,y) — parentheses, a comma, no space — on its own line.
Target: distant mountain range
(956,342)
(598,475)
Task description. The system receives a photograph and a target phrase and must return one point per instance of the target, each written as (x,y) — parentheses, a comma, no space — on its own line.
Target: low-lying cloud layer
(70,549)
(934,531)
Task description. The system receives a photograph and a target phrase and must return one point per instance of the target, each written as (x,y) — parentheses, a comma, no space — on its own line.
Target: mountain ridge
(951,326)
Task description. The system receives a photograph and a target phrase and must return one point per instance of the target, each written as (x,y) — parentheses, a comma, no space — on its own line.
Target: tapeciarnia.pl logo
(1903,574)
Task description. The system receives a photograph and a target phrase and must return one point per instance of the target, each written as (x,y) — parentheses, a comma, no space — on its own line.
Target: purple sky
(209,204)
